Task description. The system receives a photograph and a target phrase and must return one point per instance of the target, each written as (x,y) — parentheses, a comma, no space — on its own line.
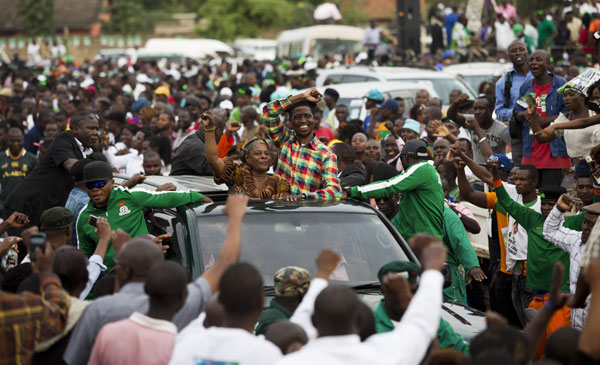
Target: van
(319,40)
(181,48)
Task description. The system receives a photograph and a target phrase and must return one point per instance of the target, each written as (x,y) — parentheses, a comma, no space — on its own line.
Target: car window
(161,221)
(354,106)
(274,240)
(444,86)
(335,78)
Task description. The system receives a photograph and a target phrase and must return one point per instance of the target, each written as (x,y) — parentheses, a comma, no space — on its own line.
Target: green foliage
(132,17)
(353,14)
(230,19)
(36,17)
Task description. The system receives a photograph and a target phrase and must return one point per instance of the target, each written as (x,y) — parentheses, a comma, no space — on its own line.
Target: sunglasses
(95,184)
(93,116)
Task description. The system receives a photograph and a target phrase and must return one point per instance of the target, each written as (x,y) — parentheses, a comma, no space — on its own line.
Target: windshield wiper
(375,285)
(269,290)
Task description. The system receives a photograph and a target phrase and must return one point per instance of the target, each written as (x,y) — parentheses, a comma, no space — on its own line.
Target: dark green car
(277,234)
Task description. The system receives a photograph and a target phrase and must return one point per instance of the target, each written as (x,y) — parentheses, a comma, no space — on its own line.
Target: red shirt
(541,156)
(324,132)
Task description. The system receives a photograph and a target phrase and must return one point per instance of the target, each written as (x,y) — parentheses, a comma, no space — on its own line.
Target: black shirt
(190,158)
(49,184)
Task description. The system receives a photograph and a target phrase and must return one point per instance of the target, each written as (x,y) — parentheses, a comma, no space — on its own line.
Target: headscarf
(244,146)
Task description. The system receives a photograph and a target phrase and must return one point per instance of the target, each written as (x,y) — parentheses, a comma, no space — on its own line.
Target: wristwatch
(348,190)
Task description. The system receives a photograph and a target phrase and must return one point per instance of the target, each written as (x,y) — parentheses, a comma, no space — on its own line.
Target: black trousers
(503,295)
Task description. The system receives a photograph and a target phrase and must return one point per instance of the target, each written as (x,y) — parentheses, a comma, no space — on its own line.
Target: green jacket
(460,252)
(275,313)
(421,206)
(125,210)
(541,254)
(574,222)
(445,333)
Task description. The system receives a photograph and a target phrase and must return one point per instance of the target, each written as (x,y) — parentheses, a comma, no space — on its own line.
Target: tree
(36,17)
(229,19)
(131,16)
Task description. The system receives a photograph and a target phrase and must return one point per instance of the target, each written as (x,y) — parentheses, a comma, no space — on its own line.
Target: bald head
(288,336)
(336,310)
(541,53)
(136,258)
(516,43)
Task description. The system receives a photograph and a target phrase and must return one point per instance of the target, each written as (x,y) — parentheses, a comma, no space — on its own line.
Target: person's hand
(293,198)
(440,129)
(8,243)
(207,120)
(461,99)
(235,207)
(118,239)
(456,150)
(547,132)
(494,319)
(564,203)
(43,260)
(312,95)
(433,256)
(459,163)
(472,124)
(326,262)
(232,127)
(159,240)
(207,199)
(556,298)
(105,141)
(26,234)
(477,274)
(397,286)
(492,166)
(262,131)
(136,179)
(344,194)
(17,220)
(122,152)
(531,109)
(102,228)
(167,187)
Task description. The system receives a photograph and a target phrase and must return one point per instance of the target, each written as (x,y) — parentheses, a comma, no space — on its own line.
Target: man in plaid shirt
(308,165)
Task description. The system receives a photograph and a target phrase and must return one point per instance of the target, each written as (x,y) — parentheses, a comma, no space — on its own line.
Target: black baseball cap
(415,148)
(56,218)
(97,171)
(552,192)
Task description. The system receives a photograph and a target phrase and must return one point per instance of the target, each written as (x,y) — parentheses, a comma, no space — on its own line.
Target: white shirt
(129,164)
(570,241)
(531,31)
(504,35)
(406,344)
(84,151)
(221,345)
(372,36)
(579,141)
(515,236)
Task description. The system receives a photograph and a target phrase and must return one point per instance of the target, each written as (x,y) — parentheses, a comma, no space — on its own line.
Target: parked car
(278,233)
(474,73)
(181,48)
(353,95)
(442,82)
(320,40)
(257,49)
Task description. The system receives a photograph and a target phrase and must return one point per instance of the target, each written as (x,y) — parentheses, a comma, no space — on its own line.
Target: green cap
(290,281)
(412,269)
(56,218)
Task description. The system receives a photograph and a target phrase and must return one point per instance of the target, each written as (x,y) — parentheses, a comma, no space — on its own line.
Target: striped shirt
(570,241)
(311,169)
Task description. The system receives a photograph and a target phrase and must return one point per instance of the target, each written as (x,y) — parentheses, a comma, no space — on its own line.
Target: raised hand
(434,256)
(102,228)
(236,205)
(492,166)
(440,129)
(326,263)
(397,286)
(461,99)
(207,120)
(312,95)
(556,298)
(564,203)
(17,220)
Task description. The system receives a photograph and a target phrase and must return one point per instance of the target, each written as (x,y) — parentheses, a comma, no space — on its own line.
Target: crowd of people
(83,280)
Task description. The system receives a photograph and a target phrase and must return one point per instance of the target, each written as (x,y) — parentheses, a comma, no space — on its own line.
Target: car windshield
(271,241)
(443,87)
(334,46)
(475,80)
(354,106)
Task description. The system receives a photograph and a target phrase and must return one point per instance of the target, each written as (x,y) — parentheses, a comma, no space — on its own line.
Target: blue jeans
(521,296)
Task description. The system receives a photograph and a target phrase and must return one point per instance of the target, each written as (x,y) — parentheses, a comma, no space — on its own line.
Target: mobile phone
(92,220)
(36,240)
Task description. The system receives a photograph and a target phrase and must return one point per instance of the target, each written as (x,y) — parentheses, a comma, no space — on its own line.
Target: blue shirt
(77,200)
(503,113)
(450,21)
(34,135)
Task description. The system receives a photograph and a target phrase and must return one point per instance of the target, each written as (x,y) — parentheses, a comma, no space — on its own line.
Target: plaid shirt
(311,169)
(28,319)
(569,241)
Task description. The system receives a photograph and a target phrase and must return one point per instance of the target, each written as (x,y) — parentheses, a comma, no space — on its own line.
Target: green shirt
(421,207)
(545,30)
(541,254)
(445,333)
(14,170)
(460,252)
(574,222)
(275,313)
(125,210)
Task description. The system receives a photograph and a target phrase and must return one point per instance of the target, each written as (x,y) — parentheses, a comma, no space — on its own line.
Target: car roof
(280,206)
(203,184)
(387,72)
(479,68)
(360,89)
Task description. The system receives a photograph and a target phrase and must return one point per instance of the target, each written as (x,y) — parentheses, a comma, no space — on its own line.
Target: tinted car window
(271,241)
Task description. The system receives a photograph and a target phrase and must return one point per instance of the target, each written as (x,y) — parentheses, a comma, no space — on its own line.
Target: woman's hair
(132,128)
(591,105)
(163,144)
